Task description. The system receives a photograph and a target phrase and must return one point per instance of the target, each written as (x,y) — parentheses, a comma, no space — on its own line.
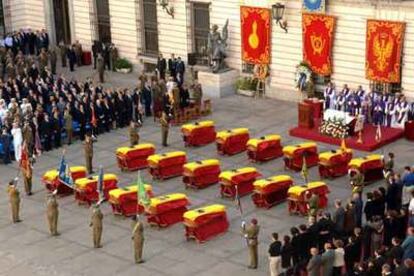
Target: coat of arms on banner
(314,5)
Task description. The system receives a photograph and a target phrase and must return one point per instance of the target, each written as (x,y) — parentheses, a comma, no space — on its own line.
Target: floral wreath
(302,68)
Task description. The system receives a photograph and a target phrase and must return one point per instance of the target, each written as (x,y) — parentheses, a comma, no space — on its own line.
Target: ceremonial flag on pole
(24,162)
(237,200)
(100,183)
(64,174)
(304,171)
(343,146)
(378,134)
(141,193)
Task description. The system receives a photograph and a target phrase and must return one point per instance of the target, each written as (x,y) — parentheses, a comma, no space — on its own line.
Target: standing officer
(165,125)
(52,213)
(101,68)
(357,181)
(63,53)
(251,234)
(53,60)
(96,224)
(138,238)
(313,205)
(133,134)
(14,198)
(88,152)
(67,118)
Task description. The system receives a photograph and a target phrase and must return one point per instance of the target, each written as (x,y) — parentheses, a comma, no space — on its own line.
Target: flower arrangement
(303,75)
(123,64)
(335,128)
(246,83)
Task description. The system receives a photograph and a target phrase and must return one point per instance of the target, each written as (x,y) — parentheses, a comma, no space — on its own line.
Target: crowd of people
(391,110)
(375,237)
(43,109)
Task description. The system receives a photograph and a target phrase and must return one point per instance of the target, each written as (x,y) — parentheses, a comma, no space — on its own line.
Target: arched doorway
(62,21)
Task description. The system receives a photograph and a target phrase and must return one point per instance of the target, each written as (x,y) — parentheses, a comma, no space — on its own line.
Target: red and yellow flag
(318,36)
(255,34)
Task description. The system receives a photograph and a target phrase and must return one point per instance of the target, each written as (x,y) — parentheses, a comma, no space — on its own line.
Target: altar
(334,125)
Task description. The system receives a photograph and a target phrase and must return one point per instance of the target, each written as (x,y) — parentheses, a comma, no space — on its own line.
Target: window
(62,22)
(200,31)
(104,21)
(320,82)
(2,27)
(150,30)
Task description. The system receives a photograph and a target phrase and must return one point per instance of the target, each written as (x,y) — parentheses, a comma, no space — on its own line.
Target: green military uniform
(21,67)
(197,94)
(101,68)
(27,177)
(389,165)
(63,54)
(114,57)
(251,234)
(52,214)
(165,125)
(14,199)
(313,205)
(43,61)
(133,134)
(89,153)
(357,182)
(96,224)
(53,60)
(68,126)
(138,238)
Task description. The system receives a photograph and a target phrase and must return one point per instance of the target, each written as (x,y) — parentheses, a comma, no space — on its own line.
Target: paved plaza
(27,249)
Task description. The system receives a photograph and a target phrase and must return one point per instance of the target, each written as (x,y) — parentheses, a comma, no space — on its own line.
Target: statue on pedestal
(216,46)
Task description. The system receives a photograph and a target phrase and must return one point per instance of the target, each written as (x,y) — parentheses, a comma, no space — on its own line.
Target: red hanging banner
(318,30)
(383,50)
(255,34)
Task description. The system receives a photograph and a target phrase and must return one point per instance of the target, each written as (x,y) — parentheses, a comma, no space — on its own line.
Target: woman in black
(56,129)
(287,251)
(275,259)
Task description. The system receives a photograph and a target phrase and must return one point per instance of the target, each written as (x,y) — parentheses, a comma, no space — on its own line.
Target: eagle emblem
(383,47)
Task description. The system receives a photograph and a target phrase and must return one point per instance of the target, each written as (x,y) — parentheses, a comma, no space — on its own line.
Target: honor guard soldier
(52,213)
(138,238)
(133,134)
(165,125)
(313,205)
(14,198)
(357,181)
(88,145)
(251,234)
(96,224)
(100,63)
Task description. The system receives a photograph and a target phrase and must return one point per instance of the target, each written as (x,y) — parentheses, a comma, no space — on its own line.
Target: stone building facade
(122,22)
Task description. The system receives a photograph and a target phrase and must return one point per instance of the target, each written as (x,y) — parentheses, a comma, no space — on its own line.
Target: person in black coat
(287,252)
(46,131)
(72,58)
(184,97)
(57,130)
(172,66)
(161,66)
(147,99)
(5,140)
(369,207)
(390,227)
(295,245)
(393,194)
(180,70)
(352,252)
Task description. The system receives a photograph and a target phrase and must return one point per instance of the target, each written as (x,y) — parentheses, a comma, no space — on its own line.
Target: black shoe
(29,193)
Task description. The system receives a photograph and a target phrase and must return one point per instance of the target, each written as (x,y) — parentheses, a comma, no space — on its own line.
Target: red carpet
(389,135)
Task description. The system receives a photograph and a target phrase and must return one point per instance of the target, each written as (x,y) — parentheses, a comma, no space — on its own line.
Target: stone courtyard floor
(27,249)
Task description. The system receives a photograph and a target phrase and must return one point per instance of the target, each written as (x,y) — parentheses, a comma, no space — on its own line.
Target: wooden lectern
(305,115)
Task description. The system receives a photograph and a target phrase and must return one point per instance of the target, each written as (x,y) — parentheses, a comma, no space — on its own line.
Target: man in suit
(172,64)
(101,68)
(314,264)
(327,259)
(339,217)
(53,60)
(63,53)
(180,70)
(161,67)
(251,233)
(72,58)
